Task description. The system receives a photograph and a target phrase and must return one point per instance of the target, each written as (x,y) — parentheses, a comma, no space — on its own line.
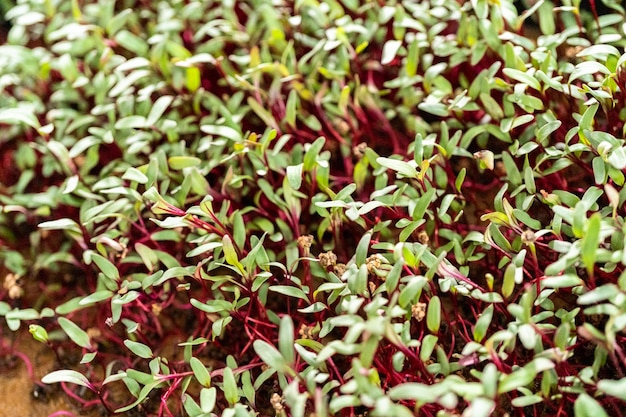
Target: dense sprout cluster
(318,208)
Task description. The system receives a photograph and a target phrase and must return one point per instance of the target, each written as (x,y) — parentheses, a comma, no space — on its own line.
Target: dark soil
(23,395)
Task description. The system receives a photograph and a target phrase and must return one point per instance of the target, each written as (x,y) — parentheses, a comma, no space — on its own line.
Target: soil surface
(20,396)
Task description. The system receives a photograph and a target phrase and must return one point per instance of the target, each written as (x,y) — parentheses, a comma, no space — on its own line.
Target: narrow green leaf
(230,387)
(614,388)
(491,106)
(139,349)
(312,153)
(587,406)
(357,282)
(313,308)
(508,283)
(369,206)
(158,108)
(522,77)
(78,335)
(527,335)
(292,103)
(428,345)
(489,380)
(481,8)
(219,325)
(60,224)
(294,176)
(271,356)
(433,315)
(590,242)
(482,324)
(423,203)
(598,294)
(200,372)
(88,357)
(599,51)
(546,130)
(481,407)
(562,336)
(182,162)
(222,131)
(193,78)
(517,379)
(15,116)
(208,397)
(67,375)
(529,180)
(390,49)
(401,167)
(191,407)
(362,249)
(105,266)
(587,68)
(526,400)
(340,402)
(132,42)
(248,388)
(546,18)
(133,174)
(562,281)
(212,306)
(344,97)
(459,179)
(290,291)
(413,58)
(147,255)
(68,306)
(525,218)
(143,394)
(412,391)
(286,339)
(599,170)
(131,122)
(230,253)
(239,229)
